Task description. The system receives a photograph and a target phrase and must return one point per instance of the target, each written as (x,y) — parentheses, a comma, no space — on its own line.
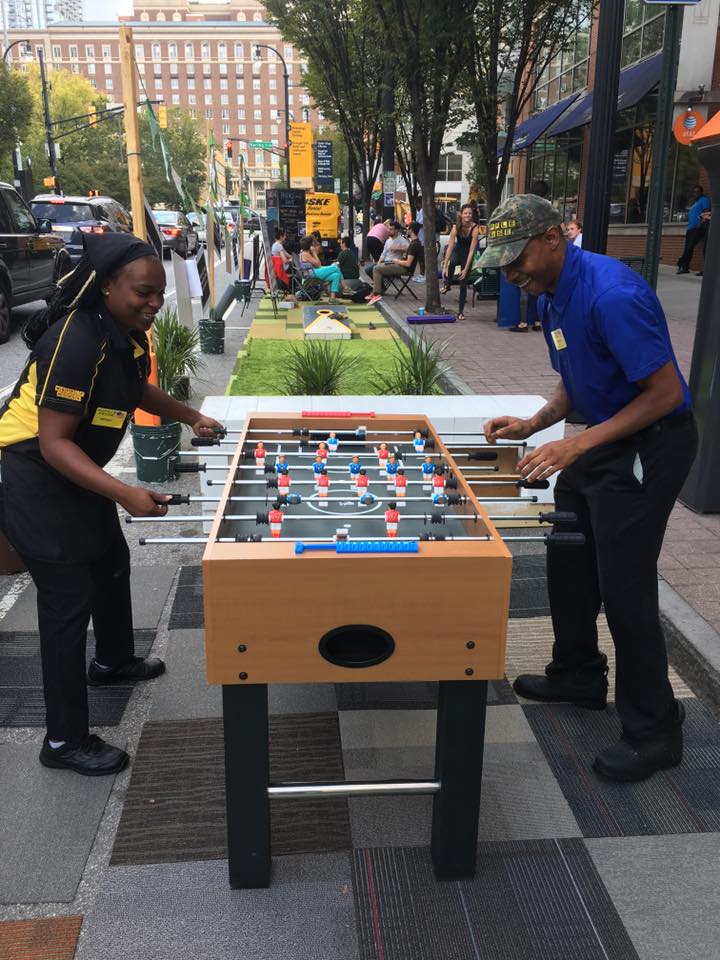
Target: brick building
(552,143)
(199,56)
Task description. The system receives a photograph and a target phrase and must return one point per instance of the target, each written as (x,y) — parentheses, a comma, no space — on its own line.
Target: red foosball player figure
(382,457)
(284,482)
(322,450)
(392,518)
(400,484)
(275,518)
(260,455)
(362,483)
(322,484)
(333,443)
(419,442)
(438,482)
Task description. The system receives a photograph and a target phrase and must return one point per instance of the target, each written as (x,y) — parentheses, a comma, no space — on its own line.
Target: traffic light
(92,115)
(228,149)
(162,116)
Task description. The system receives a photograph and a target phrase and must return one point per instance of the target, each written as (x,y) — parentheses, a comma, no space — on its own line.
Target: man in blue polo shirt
(608,340)
(697,227)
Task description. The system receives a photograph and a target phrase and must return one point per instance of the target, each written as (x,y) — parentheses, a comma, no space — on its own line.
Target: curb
(450,381)
(693,645)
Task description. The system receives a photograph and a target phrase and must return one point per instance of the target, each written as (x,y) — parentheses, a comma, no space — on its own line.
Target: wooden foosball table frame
(272,616)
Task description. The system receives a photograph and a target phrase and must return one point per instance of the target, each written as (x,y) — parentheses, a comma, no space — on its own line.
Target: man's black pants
(692,239)
(68,595)
(622,494)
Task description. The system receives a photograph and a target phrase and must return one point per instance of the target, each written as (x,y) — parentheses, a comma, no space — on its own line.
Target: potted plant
(177,359)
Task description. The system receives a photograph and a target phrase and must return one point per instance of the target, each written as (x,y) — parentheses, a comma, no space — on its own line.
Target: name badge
(105,417)
(558,339)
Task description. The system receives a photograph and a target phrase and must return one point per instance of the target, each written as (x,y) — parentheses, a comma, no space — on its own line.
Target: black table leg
(247,774)
(458,767)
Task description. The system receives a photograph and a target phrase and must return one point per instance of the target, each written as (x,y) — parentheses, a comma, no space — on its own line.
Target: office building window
(241,128)
(141,68)
(208,98)
(190,69)
(91,69)
(272,68)
(223,83)
(226,129)
(90,52)
(174,69)
(222,51)
(239,70)
(258,114)
(172,51)
(258,129)
(223,69)
(158,83)
(256,84)
(208,114)
(174,83)
(155,51)
(207,84)
(192,99)
(288,52)
(224,98)
(225,114)
(176,99)
(73,53)
(567,71)
(241,98)
(139,51)
(239,51)
(241,114)
(93,82)
(644,28)
(107,52)
(257,99)
(450,167)
(189,51)
(191,83)
(273,100)
(272,84)
(205,51)
(57,53)
(259,158)
(108,84)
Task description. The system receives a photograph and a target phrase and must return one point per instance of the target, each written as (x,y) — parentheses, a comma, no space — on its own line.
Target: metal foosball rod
(360,433)
(429,445)
(555,539)
(416,483)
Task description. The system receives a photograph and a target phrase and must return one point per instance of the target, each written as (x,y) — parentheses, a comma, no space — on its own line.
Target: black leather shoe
(130,672)
(567,687)
(629,761)
(682,270)
(92,758)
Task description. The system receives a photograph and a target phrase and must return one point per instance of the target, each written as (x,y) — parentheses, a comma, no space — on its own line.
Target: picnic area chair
(402,283)
(302,286)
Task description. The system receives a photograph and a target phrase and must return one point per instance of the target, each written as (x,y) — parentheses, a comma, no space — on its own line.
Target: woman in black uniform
(459,253)
(65,419)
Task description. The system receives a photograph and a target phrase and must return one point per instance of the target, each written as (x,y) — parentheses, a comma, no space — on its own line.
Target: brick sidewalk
(492,360)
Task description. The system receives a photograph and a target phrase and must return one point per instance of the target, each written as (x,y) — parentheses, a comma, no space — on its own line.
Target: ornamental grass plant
(417,369)
(176,351)
(315,367)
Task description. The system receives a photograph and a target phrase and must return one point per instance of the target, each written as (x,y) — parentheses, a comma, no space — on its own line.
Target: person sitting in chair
(311,267)
(399,267)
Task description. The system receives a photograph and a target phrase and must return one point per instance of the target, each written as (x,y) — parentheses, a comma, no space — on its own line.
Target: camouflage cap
(512,224)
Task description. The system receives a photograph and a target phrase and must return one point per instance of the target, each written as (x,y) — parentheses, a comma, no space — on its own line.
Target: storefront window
(644,29)
(567,71)
(555,171)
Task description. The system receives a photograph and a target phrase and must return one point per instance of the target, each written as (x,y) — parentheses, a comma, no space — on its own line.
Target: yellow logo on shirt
(558,339)
(67,393)
(104,417)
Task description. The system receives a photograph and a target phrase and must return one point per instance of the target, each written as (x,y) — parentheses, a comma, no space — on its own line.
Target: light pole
(52,155)
(286,82)
(8,47)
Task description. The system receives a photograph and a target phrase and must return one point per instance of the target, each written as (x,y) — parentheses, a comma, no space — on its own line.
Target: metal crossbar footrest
(367,788)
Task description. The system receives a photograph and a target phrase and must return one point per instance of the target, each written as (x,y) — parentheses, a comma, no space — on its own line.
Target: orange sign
(302,158)
(687,125)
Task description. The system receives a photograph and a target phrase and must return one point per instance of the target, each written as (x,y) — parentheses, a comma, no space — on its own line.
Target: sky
(102,10)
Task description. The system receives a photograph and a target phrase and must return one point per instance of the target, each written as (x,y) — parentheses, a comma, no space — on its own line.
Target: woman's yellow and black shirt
(83,365)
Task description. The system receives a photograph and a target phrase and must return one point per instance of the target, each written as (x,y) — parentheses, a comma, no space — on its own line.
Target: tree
(187,150)
(345,49)
(428,42)
(512,43)
(16,109)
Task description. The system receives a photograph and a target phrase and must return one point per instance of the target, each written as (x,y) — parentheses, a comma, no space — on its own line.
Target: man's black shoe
(682,270)
(564,688)
(130,672)
(92,758)
(630,761)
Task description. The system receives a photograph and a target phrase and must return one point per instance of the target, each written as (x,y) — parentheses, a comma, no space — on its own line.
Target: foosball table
(355,548)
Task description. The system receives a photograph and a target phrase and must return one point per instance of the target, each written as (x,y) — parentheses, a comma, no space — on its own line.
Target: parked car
(32,257)
(71,217)
(199,224)
(178,233)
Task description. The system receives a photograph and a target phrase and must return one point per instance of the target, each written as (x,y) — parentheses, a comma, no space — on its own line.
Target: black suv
(32,257)
(73,216)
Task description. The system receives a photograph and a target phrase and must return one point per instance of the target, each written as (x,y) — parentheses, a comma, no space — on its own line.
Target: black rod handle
(557,516)
(566,539)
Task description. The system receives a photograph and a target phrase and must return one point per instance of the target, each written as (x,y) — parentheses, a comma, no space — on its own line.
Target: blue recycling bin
(508,312)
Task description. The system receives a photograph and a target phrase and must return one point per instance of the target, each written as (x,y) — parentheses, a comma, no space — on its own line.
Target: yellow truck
(322,213)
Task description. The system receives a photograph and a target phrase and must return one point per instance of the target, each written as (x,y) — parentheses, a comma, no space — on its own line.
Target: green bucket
(156,451)
(212,336)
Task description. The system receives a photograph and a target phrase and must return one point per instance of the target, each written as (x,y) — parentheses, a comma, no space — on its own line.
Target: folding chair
(402,283)
(487,286)
(301,286)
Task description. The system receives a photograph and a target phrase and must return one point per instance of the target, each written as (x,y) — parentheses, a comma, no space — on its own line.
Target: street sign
(260,144)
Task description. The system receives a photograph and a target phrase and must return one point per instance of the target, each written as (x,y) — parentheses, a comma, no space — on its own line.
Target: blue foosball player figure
(428,471)
(333,443)
(281,464)
(419,442)
(354,466)
(318,466)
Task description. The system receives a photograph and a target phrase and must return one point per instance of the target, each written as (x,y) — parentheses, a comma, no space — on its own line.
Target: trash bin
(156,451)
(212,336)
(508,313)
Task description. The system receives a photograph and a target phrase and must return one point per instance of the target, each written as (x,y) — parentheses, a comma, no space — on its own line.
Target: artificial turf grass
(259,372)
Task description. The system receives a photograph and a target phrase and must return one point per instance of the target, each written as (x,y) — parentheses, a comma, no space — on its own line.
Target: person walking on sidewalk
(64,420)
(697,227)
(459,253)
(608,340)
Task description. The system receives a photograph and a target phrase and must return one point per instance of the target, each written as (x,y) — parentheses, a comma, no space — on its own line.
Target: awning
(529,130)
(635,82)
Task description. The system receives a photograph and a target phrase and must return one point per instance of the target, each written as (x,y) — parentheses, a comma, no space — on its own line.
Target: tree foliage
(95,157)
(344,45)
(16,111)
(427,42)
(512,42)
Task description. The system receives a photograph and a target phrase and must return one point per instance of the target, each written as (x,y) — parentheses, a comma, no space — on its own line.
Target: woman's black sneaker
(92,758)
